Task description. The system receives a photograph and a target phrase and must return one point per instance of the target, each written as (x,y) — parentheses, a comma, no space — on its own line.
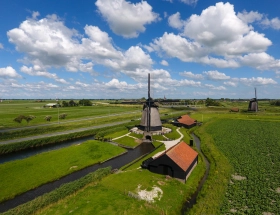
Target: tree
(19,118)
(72,103)
(65,104)
(211,102)
(48,118)
(62,116)
(85,102)
(29,118)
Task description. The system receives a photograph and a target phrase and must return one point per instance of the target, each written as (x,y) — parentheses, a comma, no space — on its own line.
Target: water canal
(115,163)
(190,202)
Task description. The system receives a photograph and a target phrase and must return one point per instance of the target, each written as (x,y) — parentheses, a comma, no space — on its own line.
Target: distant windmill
(253,105)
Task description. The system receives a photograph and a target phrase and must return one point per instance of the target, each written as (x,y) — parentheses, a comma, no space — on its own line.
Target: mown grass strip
(22,175)
(59,193)
(213,191)
(99,133)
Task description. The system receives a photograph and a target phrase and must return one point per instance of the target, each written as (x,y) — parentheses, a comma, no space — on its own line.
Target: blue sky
(106,48)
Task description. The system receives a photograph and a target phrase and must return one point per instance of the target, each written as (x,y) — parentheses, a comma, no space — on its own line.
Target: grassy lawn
(186,134)
(117,134)
(156,143)
(173,134)
(158,137)
(139,136)
(22,175)
(127,141)
(110,196)
(139,162)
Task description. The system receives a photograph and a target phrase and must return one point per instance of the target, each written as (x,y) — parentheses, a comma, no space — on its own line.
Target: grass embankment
(56,195)
(114,195)
(212,194)
(63,127)
(22,175)
(99,133)
(128,141)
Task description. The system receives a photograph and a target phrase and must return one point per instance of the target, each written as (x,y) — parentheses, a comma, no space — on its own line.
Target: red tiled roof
(182,154)
(185,119)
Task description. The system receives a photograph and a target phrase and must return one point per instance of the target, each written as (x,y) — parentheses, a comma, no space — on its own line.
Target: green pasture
(252,148)
(114,195)
(9,111)
(22,175)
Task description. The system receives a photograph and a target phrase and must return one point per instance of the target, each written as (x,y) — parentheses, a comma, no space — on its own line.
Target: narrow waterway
(40,149)
(190,202)
(115,163)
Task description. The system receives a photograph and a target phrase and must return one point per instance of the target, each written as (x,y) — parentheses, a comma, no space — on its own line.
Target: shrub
(62,116)
(48,118)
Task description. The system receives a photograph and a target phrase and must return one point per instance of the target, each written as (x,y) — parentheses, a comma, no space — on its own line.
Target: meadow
(22,175)
(243,149)
(252,148)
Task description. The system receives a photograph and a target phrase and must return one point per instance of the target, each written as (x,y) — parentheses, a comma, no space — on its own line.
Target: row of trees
(275,102)
(28,118)
(72,103)
(211,102)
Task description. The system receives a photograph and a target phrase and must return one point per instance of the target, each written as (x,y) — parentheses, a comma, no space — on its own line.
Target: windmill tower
(150,120)
(253,105)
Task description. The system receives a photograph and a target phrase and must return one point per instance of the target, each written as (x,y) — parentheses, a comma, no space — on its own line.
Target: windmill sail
(150,120)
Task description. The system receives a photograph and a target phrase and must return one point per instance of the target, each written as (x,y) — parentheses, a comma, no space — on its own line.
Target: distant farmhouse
(178,162)
(51,105)
(185,121)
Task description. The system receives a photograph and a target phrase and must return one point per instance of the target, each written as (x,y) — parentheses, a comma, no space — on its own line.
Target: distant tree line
(275,102)
(211,102)
(71,103)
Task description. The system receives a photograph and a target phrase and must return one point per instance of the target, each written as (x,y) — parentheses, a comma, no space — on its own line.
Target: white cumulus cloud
(164,63)
(175,21)
(250,17)
(215,75)
(192,75)
(9,72)
(125,18)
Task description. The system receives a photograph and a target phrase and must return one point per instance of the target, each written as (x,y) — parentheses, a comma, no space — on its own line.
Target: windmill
(253,105)
(150,120)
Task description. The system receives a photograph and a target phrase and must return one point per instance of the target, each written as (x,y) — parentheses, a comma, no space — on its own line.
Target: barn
(185,121)
(51,105)
(177,162)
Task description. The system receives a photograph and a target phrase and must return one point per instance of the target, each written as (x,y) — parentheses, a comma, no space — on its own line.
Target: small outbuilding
(185,121)
(51,105)
(177,162)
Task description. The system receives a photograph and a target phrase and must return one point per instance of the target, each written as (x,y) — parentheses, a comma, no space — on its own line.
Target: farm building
(51,105)
(185,121)
(177,162)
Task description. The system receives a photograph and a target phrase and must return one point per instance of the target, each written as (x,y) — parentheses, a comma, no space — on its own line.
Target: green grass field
(22,175)
(8,111)
(253,149)
(110,196)
(240,144)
